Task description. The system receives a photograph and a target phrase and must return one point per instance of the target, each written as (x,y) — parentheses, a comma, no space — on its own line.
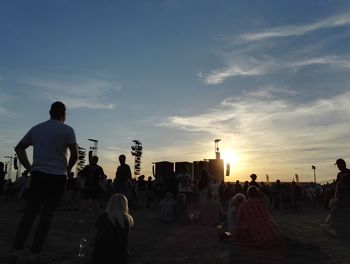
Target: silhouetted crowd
(241,212)
(148,193)
(183,200)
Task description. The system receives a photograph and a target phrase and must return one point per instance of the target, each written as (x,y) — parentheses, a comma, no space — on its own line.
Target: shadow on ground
(157,243)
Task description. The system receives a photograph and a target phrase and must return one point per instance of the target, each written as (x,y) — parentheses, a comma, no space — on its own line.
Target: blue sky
(270,78)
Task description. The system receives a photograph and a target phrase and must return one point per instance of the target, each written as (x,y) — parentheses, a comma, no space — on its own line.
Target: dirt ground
(156,243)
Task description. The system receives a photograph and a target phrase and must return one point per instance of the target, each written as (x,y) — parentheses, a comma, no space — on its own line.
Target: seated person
(113,226)
(211,211)
(233,208)
(181,208)
(254,222)
(337,222)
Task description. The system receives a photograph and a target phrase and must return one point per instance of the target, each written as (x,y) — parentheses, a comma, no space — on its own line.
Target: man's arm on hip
(73,149)
(22,155)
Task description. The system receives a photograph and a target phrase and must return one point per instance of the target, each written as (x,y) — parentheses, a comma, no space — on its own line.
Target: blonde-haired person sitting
(232,211)
(113,226)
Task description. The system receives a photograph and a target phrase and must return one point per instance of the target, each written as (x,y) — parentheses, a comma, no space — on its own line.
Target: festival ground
(155,242)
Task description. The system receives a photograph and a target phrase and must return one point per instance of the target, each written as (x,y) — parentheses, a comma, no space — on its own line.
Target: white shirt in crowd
(50,140)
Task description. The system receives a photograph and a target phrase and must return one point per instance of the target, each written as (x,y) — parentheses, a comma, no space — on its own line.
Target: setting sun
(229,156)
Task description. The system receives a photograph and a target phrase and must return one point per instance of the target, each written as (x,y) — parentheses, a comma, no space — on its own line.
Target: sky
(269,78)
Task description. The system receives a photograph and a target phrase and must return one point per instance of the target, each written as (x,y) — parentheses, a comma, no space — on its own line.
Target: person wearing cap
(339,216)
(50,141)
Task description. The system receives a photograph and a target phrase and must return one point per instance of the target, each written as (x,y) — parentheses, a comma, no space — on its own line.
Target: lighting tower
(217,150)
(136,150)
(314,168)
(81,159)
(93,148)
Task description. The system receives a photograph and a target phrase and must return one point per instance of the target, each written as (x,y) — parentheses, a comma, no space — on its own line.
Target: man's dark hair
(57,109)
(253,176)
(341,163)
(122,158)
(94,159)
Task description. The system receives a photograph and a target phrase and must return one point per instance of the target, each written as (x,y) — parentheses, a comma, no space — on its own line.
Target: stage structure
(184,165)
(93,148)
(136,150)
(163,171)
(216,167)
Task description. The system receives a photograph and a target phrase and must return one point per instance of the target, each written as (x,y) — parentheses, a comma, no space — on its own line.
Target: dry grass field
(156,243)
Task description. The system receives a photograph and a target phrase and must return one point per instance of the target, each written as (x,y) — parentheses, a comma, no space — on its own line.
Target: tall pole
(314,168)
(217,150)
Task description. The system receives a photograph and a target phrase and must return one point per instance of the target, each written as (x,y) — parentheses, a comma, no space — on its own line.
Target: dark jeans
(44,197)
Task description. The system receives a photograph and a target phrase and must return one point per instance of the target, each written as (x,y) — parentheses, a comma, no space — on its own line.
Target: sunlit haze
(270,79)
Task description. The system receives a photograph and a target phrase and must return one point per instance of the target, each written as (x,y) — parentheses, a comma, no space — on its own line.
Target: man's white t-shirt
(50,140)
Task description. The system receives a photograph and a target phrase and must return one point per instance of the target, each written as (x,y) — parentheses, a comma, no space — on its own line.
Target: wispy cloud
(297,30)
(264,124)
(89,93)
(333,61)
(220,75)
(4,112)
(259,53)
(4,109)
(83,103)
(245,67)
(238,65)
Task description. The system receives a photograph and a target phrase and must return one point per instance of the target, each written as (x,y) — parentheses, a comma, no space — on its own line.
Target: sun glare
(229,157)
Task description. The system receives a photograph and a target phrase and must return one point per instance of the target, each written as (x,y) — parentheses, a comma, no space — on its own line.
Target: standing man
(49,170)
(92,174)
(122,176)
(337,222)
